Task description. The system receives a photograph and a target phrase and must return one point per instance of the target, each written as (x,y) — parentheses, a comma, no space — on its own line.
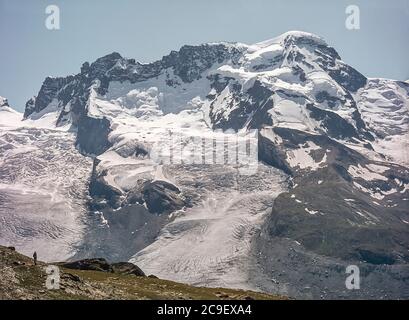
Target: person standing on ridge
(35,258)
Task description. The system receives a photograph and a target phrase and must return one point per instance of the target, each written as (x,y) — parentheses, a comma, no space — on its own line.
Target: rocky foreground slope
(21,279)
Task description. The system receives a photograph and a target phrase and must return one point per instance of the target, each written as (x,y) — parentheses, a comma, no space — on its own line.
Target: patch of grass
(132,287)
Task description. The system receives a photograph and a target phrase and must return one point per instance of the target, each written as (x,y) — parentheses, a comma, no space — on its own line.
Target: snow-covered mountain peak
(5,107)
(291,37)
(296,48)
(293,81)
(8,116)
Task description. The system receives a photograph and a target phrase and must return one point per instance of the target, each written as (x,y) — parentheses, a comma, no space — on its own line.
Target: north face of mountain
(296,65)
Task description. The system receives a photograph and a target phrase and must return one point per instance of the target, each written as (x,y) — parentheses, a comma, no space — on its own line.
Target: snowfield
(209,244)
(43,189)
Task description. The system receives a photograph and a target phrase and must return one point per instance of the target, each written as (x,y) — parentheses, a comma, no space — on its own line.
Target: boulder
(100,264)
(127,268)
(159,196)
(162,197)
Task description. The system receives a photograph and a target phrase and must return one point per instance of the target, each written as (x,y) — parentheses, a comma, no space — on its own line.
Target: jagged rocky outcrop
(100,264)
(70,95)
(159,196)
(299,53)
(4,102)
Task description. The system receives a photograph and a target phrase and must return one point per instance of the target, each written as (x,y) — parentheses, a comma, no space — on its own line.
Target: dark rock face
(92,136)
(49,90)
(349,78)
(4,102)
(99,189)
(331,100)
(324,223)
(30,107)
(162,197)
(71,277)
(336,126)
(127,268)
(97,264)
(342,238)
(74,91)
(100,264)
(271,154)
(128,229)
(252,105)
(159,196)
(379,258)
(346,235)
(132,149)
(314,276)
(190,61)
(275,154)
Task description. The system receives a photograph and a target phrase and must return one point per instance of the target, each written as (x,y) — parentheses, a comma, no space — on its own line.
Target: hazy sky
(148,29)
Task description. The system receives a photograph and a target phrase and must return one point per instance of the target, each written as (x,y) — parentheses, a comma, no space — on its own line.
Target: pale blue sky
(148,29)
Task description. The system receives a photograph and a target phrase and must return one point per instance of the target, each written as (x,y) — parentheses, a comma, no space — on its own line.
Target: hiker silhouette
(35,258)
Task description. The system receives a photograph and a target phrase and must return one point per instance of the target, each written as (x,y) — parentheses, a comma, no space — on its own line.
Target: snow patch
(312,212)
(366,174)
